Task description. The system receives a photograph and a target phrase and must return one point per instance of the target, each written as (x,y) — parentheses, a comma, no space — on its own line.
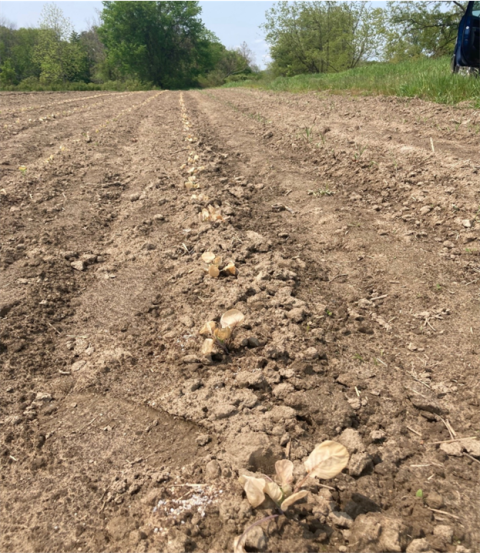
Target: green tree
(164,42)
(415,29)
(319,37)
(60,59)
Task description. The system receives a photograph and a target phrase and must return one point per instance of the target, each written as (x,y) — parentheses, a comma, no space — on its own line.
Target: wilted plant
(326,461)
(211,214)
(223,334)
(213,265)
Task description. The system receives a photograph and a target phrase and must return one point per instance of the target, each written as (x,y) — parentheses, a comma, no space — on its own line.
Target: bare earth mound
(354,224)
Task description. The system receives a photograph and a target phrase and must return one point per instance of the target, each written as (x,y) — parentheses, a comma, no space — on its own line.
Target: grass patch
(428,79)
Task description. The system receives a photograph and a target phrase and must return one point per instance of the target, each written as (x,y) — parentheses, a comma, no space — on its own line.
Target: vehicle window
(476,9)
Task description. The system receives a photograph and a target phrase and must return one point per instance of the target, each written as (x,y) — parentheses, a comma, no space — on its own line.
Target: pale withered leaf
(274,491)
(218,260)
(284,469)
(213,271)
(223,334)
(230,269)
(232,318)
(254,489)
(327,460)
(292,499)
(208,328)
(207,347)
(208,257)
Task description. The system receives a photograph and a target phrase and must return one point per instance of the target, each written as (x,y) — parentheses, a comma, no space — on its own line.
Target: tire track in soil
(140,347)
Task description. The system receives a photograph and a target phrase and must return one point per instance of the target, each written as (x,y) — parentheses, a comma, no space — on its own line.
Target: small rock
(378,436)
(355,403)
(379,533)
(253,451)
(282,390)
(462,550)
(212,470)
(43,397)
(434,500)
(311,353)
(136,536)
(78,365)
(253,342)
(466,223)
(247,379)
(467,238)
(359,463)
(425,210)
(444,533)
(256,539)
(159,217)
(191,358)
(134,197)
(449,244)
(352,441)
(149,246)
(297,314)
(78,265)
(203,439)
(224,410)
(471,446)
(283,235)
(282,413)
(89,258)
(341,519)
(452,448)
(418,545)
(178,543)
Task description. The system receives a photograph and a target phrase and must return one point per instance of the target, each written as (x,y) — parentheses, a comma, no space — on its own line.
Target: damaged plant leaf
(231,318)
(208,257)
(207,347)
(327,460)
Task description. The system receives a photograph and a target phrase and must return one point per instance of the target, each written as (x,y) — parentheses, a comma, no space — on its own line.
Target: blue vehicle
(466,57)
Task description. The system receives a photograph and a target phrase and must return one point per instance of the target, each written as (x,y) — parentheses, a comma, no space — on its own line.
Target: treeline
(136,45)
(331,37)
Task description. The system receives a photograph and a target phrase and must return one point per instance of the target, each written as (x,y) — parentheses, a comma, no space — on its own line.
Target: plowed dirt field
(354,226)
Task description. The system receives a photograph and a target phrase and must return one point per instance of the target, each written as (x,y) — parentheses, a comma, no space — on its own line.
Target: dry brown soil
(354,224)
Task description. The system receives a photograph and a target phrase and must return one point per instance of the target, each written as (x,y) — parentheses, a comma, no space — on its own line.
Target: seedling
(220,335)
(326,461)
(419,493)
(325,192)
(308,131)
(23,170)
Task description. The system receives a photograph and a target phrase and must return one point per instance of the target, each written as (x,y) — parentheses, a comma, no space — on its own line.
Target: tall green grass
(428,79)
